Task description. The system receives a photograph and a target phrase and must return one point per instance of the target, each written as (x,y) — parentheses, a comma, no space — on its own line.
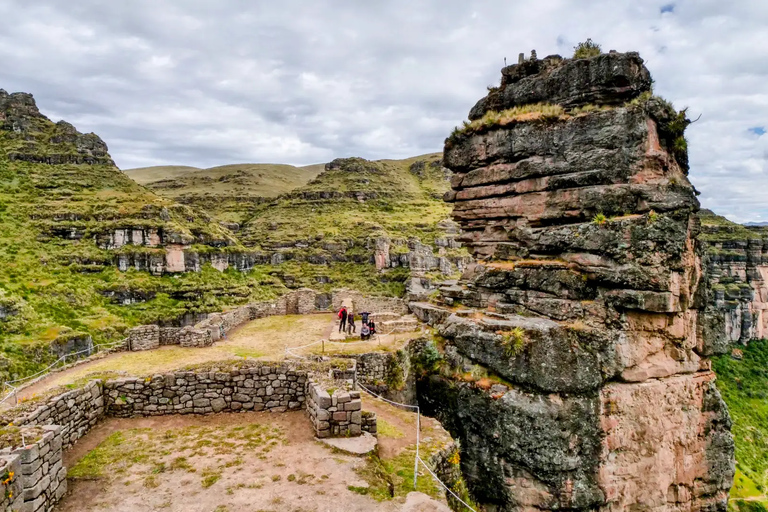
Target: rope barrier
(445,486)
(418,440)
(92,349)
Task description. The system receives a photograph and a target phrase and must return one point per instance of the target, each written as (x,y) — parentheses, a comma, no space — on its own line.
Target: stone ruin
(582,315)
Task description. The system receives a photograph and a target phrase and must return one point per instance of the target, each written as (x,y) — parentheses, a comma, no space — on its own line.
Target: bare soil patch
(218,463)
(255,461)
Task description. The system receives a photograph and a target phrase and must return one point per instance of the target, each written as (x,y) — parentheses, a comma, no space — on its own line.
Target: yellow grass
(263,339)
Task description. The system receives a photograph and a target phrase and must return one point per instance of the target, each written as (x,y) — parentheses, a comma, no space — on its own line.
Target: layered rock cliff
(575,372)
(735,261)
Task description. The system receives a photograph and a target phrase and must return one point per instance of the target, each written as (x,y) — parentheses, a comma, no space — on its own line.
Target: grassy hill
(62,201)
(331,225)
(85,250)
(222,190)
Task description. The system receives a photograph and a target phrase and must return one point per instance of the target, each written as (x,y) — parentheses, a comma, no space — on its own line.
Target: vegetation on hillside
(224,191)
(354,201)
(744,386)
(62,198)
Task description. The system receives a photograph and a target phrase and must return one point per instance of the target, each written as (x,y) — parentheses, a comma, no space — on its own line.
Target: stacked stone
(144,337)
(275,389)
(191,337)
(586,304)
(339,415)
(76,411)
(373,367)
(368,423)
(43,475)
(362,303)
(169,335)
(11,488)
(301,302)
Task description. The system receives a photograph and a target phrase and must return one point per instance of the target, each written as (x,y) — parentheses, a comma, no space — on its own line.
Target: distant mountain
(225,190)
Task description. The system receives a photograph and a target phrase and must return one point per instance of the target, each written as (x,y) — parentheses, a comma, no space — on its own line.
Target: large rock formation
(736,264)
(576,372)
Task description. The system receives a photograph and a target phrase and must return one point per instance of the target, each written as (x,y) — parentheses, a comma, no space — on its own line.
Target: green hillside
(61,202)
(224,190)
(354,199)
(86,251)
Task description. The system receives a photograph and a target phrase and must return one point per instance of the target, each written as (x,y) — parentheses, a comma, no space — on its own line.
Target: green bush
(586,50)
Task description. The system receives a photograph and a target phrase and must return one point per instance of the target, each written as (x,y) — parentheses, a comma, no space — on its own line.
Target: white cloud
(206,83)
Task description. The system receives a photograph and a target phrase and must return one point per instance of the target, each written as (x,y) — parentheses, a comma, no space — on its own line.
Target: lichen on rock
(585,230)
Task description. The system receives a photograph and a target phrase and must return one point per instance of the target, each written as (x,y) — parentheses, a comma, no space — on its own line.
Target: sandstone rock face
(584,380)
(735,260)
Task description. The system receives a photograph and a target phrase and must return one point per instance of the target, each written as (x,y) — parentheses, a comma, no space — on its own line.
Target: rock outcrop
(575,371)
(735,261)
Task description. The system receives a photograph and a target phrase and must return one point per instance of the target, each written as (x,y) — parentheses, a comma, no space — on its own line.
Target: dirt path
(265,339)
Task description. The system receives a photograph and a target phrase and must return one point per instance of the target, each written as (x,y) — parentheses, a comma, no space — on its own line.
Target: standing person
(343,317)
(364,317)
(365,332)
(351,323)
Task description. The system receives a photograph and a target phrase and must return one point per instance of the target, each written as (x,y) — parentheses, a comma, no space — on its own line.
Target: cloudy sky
(206,83)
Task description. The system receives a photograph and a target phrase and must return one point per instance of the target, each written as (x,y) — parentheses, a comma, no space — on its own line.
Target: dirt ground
(224,463)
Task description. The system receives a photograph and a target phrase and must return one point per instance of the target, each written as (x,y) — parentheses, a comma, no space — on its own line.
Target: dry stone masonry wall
(586,306)
(40,478)
(11,484)
(76,411)
(264,388)
(337,415)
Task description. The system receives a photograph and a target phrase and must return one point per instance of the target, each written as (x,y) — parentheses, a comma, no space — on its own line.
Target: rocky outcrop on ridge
(575,370)
(608,79)
(58,143)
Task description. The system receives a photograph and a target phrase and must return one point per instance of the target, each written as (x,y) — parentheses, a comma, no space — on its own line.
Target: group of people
(347,323)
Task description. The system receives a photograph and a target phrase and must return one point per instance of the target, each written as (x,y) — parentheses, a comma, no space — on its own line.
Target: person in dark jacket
(372,327)
(364,317)
(343,317)
(351,323)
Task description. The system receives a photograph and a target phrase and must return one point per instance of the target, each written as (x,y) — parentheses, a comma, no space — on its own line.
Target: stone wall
(144,337)
(76,411)
(270,388)
(11,487)
(373,368)
(362,303)
(169,335)
(191,337)
(368,423)
(337,415)
(43,476)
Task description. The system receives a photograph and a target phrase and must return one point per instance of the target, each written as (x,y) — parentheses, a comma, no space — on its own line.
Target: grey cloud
(206,83)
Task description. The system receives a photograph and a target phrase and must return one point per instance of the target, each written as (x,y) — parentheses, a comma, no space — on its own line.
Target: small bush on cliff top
(586,50)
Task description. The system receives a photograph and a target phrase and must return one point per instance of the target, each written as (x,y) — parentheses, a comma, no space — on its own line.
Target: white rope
(445,486)
(92,349)
(416,407)
(418,459)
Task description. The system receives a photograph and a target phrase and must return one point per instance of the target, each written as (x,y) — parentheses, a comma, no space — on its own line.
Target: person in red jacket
(343,317)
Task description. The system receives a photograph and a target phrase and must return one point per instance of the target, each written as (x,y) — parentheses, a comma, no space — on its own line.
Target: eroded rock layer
(577,372)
